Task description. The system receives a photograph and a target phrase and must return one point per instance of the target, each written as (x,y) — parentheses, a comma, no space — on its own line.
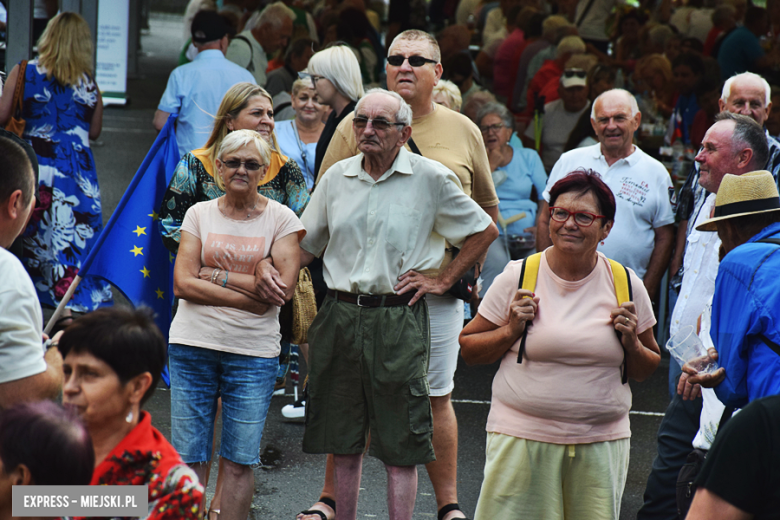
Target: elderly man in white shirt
(378,219)
(643,234)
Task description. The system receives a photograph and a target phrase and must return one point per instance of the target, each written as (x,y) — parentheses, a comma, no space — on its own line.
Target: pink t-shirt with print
(568,388)
(236,246)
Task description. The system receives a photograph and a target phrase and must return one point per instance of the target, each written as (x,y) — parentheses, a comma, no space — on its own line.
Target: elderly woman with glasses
(519,177)
(224,341)
(558,428)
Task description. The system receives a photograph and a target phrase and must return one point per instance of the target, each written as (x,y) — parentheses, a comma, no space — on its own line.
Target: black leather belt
(369,300)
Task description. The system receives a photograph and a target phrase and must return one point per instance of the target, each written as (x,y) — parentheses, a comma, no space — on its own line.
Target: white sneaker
(295,411)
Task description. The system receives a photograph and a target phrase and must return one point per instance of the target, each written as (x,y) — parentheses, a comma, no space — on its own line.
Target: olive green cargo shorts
(368,372)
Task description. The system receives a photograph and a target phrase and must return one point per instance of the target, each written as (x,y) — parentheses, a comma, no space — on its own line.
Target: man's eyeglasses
(251,166)
(379,124)
(397,60)
(495,128)
(571,73)
(581,218)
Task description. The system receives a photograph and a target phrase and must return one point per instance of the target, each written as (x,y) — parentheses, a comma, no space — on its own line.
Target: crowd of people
(532,169)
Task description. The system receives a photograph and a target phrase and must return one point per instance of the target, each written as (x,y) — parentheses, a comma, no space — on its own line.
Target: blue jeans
(198,377)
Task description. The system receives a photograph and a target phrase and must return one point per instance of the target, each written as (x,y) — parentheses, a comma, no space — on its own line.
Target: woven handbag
(16,124)
(304,307)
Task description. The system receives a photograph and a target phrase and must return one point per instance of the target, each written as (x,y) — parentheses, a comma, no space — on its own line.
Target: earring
(129,417)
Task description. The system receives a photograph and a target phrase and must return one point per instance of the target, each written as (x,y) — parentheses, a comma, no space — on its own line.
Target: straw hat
(741,195)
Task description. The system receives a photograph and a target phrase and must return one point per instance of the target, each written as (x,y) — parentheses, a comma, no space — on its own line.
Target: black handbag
(691,469)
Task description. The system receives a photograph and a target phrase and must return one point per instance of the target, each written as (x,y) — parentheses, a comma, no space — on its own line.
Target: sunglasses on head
(570,73)
(397,60)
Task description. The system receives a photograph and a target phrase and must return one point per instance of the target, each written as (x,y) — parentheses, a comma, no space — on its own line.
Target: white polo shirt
(372,232)
(642,189)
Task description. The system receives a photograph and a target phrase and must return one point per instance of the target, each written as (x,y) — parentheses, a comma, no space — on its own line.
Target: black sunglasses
(570,73)
(397,60)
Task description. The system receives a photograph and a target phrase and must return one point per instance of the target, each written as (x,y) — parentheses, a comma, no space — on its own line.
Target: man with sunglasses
(643,233)
(379,219)
(413,69)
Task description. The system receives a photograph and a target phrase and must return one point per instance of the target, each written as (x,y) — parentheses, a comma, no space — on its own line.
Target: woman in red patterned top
(112,359)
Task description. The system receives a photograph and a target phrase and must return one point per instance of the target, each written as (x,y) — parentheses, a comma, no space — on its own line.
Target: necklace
(249,213)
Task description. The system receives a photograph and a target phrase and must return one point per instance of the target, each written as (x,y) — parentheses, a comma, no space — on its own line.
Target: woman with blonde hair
(335,73)
(447,93)
(654,72)
(298,137)
(63,110)
(214,279)
(244,107)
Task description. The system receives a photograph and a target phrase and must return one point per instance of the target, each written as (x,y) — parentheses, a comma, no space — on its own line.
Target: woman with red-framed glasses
(558,429)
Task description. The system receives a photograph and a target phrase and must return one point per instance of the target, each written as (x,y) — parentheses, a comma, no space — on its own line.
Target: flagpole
(61,307)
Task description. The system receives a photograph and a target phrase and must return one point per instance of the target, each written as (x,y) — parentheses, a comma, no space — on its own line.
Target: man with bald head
(379,219)
(643,234)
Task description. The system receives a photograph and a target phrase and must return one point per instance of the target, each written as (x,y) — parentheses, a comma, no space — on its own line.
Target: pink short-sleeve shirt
(568,389)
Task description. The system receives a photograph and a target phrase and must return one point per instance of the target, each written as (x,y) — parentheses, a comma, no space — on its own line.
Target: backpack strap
(775,241)
(624,293)
(528,274)
(413,147)
(251,66)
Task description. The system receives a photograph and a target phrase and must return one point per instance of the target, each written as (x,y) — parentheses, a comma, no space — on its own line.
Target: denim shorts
(198,377)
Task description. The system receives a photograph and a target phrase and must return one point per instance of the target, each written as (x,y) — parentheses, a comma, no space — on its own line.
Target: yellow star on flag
(137,251)
(139,230)
(146,272)
(159,293)
(170,257)
(154,215)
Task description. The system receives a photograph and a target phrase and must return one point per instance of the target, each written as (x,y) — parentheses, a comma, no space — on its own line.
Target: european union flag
(129,252)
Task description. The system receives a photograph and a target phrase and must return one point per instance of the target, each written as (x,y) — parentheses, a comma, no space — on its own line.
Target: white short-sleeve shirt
(371,232)
(642,188)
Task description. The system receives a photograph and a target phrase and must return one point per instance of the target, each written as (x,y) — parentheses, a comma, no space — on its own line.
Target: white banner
(112,36)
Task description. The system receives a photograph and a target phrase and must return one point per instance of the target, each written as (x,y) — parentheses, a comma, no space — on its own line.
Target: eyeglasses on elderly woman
(581,218)
(494,128)
(251,166)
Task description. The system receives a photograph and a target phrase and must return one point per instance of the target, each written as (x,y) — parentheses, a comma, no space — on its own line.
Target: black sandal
(451,507)
(323,500)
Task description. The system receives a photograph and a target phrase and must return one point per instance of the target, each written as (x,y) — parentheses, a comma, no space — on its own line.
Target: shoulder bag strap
(528,275)
(301,148)
(251,66)
(413,147)
(18,100)
(624,293)
(584,13)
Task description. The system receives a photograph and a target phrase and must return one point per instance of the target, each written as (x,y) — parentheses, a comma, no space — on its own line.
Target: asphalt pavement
(288,480)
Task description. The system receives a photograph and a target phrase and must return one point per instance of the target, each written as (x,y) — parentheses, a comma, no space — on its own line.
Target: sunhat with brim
(741,195)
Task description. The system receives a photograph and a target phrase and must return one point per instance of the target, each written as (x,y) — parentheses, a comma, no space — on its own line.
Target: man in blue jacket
(746,304)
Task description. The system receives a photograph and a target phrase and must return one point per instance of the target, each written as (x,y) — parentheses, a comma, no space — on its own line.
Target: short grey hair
(630,99)
(274,15)
(747,134)
(415,35)
(724,96)
(496,109)
(402,115)
(340,66)
(238,139)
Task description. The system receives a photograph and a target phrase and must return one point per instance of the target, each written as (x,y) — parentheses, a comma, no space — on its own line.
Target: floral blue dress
(67,218)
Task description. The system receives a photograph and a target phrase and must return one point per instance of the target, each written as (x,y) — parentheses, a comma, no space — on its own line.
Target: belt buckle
(358,300)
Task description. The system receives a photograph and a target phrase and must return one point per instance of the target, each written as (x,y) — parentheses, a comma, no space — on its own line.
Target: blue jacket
(745,316)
